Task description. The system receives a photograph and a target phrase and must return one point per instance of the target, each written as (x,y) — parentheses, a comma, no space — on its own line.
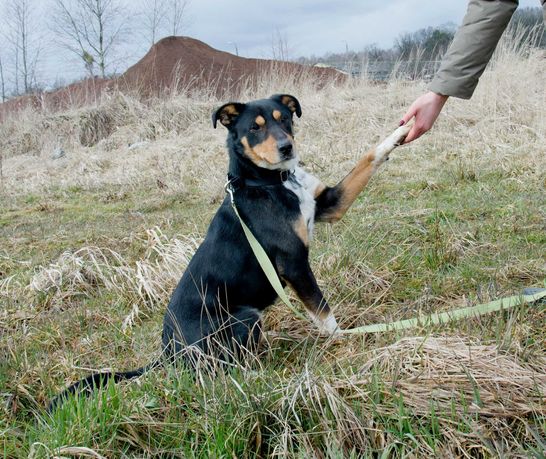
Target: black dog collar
(277,178)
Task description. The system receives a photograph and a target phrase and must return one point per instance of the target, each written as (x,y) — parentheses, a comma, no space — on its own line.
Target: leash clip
(228,188)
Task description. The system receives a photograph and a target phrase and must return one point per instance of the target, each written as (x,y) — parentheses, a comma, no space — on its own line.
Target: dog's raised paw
(396,138)
(400,134)
(390,143)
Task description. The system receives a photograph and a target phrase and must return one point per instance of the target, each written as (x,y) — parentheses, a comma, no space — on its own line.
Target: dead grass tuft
(95,125)
(149,281)
(458,376)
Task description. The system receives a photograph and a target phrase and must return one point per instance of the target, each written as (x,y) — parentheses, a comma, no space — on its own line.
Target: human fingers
(416,132)
(411,112)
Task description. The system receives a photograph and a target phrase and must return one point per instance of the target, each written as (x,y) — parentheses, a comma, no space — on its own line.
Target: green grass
(404,248)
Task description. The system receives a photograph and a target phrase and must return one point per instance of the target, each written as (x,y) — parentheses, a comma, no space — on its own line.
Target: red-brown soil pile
(179,63)
(74,95)
(184,63)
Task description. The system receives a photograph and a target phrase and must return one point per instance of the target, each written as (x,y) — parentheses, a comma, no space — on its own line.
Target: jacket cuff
(452,87)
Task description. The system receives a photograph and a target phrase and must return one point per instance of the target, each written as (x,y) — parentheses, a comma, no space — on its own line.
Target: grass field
(92,244)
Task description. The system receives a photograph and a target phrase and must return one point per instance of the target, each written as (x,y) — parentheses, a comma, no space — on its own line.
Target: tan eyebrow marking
(277,114)
(260,121)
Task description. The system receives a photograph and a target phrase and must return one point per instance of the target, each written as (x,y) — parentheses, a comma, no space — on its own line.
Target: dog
(218,302)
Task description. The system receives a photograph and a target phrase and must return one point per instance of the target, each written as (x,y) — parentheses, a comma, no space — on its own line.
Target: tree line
(429,43)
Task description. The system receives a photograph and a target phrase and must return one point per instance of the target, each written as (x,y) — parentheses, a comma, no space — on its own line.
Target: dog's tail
(95,381)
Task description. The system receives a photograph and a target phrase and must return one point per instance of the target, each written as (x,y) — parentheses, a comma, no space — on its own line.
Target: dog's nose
(286,150)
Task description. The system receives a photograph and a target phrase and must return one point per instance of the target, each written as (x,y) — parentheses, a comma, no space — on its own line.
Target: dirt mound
(184,63)
(180,63)
(74,95)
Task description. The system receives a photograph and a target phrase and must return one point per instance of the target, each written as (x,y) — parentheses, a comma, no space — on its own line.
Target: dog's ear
(227,114)
(290,101)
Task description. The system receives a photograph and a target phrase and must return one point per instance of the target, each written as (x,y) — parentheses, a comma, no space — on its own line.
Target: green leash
(448,316)
(263,259)
(423,320)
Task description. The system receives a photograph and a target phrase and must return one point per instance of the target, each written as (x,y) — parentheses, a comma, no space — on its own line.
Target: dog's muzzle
(286,150)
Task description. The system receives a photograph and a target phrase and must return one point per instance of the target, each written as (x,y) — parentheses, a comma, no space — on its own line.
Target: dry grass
(94,242)
(452,378)
(148,282)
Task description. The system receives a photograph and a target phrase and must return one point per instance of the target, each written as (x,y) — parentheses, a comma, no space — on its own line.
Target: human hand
(425,109)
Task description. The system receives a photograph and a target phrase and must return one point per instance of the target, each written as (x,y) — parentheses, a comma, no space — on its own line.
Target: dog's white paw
(328,326)
(390,143)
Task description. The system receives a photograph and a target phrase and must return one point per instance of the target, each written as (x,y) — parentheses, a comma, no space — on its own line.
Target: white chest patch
(303,185)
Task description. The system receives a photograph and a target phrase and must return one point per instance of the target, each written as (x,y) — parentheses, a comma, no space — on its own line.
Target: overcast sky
(307,27)
(316,26)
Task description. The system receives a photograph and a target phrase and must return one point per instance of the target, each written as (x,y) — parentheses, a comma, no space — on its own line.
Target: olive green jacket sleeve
(473,46)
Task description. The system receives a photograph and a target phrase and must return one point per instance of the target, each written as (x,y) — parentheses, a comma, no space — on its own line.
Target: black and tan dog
(219,300)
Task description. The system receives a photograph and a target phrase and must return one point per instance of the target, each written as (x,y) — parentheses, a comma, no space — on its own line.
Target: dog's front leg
(332,203)
(302,280)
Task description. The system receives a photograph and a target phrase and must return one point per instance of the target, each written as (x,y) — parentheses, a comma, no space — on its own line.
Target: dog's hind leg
(224,335)
(332,203)
(240,332)
(233,338)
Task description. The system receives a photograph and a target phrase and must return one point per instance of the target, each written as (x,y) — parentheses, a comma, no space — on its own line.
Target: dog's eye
(254,128)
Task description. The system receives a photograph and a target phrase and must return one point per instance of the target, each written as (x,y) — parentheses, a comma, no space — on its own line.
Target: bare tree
(21,35)
(279,46)
(154,18)
(2,81)
(176,14)
(431,41)
(163,17)
(91,29)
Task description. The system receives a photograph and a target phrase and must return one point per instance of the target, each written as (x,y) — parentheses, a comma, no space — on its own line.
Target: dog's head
(261,130)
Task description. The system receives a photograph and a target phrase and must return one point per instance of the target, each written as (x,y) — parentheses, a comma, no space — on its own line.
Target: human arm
(472,47)
(464,62)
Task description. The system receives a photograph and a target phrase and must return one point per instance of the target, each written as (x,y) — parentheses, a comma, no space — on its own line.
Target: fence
(383,70)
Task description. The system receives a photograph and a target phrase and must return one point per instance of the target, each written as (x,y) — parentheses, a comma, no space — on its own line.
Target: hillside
(180,64)
(184,63)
